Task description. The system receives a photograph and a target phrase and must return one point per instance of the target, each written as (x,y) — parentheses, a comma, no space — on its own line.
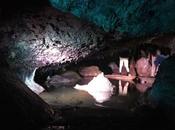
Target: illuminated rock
(29,81)
(67,79)
(99,87)
(37,38)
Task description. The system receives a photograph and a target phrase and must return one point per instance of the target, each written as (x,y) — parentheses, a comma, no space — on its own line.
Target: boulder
(39,37)
(68,78)
(89,71)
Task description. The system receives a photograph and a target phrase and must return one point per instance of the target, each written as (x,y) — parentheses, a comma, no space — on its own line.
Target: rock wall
(129,17)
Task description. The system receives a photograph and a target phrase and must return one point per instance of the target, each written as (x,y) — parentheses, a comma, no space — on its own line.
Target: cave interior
(87,64)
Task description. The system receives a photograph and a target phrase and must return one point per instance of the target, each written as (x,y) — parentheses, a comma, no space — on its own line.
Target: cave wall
(127,17)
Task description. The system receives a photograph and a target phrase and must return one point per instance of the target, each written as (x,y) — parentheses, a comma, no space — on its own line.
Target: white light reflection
(29,81)
(99,87)
(123,90)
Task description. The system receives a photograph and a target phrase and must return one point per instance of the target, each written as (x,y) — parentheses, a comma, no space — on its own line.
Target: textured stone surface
(132,17)
(32,38)
(36,38)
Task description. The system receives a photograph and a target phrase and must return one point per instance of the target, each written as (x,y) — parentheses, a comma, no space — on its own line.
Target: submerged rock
(68,78)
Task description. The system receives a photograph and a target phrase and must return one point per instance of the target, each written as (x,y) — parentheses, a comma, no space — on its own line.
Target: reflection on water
(113,93)
(123,89)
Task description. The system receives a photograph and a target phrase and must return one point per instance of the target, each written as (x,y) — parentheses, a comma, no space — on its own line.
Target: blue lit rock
(129,17)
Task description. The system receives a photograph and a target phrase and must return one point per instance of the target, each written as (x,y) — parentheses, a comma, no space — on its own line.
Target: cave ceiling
(129,17)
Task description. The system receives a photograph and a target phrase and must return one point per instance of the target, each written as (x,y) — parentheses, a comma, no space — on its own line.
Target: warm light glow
(99,87)
(29,81)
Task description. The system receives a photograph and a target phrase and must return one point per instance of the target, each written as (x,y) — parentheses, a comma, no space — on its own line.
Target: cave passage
(115,88)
